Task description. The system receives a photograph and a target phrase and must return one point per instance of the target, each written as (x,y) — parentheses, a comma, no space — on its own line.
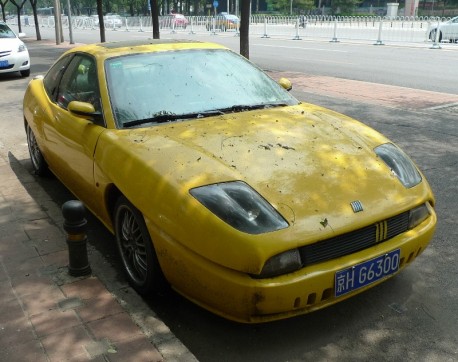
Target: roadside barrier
(379,38)
(372,29)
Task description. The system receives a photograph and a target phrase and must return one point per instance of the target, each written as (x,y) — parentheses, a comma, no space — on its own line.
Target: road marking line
(301,48)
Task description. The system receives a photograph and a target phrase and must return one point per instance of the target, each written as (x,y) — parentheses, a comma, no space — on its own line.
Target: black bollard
(75,226)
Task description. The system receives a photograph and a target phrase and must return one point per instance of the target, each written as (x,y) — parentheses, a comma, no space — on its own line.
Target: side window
(80,83)
(52,78)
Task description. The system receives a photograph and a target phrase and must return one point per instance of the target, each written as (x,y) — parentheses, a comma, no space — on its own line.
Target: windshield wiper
(163,116)
(251,107)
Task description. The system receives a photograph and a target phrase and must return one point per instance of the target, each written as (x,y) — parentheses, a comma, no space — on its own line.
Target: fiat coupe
(217,182)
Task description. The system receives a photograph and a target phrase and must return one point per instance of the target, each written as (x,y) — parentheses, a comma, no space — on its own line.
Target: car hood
(7,44)
(308,162)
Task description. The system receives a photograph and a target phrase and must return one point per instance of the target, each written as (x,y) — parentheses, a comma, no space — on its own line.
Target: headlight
(400,164)
(21,48)
(279,264)
(418,215)
(240,206)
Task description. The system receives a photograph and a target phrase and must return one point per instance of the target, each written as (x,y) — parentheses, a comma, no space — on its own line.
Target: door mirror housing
(285,83)
(85,110)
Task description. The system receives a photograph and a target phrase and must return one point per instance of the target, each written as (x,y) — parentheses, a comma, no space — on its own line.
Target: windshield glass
(6,32)
(145,86)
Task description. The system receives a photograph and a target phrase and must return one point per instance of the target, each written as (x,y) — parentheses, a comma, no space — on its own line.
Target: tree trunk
(35,18)
(155,16)
(101,23)
(245,28)
(3,9)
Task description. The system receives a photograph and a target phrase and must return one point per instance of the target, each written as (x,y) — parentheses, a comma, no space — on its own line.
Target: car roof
(119,48)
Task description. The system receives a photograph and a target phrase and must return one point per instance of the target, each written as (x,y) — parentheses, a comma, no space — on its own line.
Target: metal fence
(363,28)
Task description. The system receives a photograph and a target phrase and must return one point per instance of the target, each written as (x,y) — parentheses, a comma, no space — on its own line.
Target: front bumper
(16,62)
(237,296)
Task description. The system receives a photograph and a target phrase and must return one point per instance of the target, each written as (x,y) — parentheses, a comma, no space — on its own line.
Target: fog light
(283,263)
(418,215)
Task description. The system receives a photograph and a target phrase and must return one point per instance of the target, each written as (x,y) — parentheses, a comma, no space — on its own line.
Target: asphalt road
(412,317)
(412,65)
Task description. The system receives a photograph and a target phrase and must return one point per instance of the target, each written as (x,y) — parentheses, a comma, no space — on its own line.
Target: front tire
(432,35)
(25,73)
(136,249)
(40,167)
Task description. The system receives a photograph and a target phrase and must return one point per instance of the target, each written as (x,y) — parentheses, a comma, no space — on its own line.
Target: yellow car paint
(308,162)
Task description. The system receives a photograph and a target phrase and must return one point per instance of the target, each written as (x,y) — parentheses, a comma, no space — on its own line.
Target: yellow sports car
(218,182)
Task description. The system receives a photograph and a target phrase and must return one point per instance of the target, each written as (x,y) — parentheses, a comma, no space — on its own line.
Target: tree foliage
(344,7)
(285,6)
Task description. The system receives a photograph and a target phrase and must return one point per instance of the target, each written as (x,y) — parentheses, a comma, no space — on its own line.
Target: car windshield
(6,32)
(169,86)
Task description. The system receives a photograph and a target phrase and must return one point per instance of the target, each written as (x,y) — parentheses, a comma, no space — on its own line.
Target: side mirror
(285,83)
(84,109)
(21,35)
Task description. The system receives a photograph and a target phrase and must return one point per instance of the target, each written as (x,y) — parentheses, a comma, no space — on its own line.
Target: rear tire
(40,167)
(136,249)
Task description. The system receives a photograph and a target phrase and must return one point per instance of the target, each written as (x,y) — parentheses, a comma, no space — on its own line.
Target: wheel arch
(156,281)
(112,196)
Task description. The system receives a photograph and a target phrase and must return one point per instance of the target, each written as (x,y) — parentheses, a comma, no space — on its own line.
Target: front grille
(5,53)
(354,241)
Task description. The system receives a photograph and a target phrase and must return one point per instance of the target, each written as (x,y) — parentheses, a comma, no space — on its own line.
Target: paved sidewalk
(370,93)
(47,315)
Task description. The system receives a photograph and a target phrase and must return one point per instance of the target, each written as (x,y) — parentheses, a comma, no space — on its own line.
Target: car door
(72,139)
(450,30)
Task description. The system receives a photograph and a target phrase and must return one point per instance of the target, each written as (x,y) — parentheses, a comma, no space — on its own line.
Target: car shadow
(50,194)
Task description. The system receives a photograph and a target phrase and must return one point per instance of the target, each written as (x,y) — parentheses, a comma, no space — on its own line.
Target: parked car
(223,22)
(174,21)
(112,21)
(216,180)
(14,56)
(95,19)
(447,31)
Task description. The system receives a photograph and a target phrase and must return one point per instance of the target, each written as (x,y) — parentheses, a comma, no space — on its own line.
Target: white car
(14,56)
(447,31)
(112,21)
